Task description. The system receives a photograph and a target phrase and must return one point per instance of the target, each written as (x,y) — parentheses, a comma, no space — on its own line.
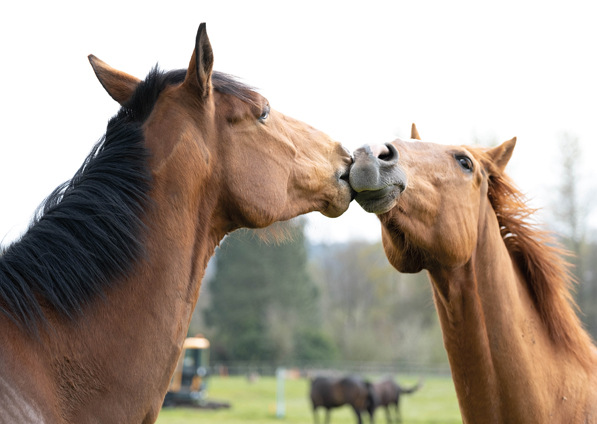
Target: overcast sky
(361,73)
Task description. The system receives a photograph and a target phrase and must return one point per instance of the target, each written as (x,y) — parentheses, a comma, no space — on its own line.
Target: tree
(571,210)
(373,312)
(263,300)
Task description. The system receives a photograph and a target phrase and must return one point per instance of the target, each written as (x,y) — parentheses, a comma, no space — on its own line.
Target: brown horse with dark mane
(517,350)
(96,297)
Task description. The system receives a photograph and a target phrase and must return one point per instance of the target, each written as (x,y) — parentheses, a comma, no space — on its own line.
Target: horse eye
(264,114)
(465,162)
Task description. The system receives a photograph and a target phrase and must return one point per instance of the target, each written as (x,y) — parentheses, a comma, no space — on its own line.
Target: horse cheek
(259,199)
(455,240)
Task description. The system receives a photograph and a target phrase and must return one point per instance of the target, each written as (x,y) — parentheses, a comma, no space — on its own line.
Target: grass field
(255,403)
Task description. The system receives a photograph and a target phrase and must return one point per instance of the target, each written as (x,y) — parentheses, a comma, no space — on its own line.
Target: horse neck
(135,337)
(504,365)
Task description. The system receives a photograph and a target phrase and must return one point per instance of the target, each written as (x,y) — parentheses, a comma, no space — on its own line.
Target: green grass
(255,403)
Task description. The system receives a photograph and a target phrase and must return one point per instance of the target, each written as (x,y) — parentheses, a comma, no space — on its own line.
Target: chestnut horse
(96,297)
(517,350)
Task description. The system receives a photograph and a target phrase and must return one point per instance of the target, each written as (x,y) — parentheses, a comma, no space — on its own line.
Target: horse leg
(398,414)
(388,416)
(315,416)
(327,416)
(359,419)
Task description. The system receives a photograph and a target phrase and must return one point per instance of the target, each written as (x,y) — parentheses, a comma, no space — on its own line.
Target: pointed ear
(119,85)
(414,134)
(501,154)
(201,65)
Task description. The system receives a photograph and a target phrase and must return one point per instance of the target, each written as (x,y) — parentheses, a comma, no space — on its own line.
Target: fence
(331,368)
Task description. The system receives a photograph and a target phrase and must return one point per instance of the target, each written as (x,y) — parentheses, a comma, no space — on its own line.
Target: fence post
(280,404)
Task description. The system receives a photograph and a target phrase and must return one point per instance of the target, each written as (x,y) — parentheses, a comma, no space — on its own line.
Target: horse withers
(501,286)
(96,297)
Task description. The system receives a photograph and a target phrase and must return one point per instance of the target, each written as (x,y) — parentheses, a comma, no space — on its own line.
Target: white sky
(361,73)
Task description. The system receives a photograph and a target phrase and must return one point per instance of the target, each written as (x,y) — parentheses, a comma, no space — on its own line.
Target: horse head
(428,197)
(221,140)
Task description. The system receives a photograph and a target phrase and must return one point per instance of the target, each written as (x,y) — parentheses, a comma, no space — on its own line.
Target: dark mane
(541,260)
(89,231)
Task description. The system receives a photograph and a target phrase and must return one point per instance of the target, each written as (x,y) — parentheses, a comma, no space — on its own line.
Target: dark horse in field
(96,297)
(335,392)
(387,392)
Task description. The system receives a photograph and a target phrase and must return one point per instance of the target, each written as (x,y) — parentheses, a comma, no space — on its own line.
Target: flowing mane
(89,231)
(541,260)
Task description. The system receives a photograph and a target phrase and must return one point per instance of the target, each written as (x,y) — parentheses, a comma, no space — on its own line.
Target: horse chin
(380,201)
(340,201)
(409,266)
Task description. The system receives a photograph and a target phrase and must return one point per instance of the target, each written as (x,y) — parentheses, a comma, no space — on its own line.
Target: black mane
(89,231)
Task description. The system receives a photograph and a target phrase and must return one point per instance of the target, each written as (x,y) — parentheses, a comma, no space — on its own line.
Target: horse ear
(119,85)
(414,134)
(201,65)
(501,154)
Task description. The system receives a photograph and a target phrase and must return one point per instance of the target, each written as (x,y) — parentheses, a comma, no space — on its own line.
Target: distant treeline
(294,303)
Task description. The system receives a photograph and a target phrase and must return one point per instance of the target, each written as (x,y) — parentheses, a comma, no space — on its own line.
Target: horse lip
(346,174)
(345,177)
(375,194)
(380,201)
(340,200)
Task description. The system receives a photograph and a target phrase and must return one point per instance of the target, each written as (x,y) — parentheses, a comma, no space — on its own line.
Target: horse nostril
(385,156)
(389,154)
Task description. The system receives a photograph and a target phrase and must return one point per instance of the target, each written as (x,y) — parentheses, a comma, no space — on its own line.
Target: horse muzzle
(377,177)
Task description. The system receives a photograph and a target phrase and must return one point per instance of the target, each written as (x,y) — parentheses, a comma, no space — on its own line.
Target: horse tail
(413,388)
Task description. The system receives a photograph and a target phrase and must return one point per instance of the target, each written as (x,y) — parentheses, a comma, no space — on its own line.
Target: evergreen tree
(264,304)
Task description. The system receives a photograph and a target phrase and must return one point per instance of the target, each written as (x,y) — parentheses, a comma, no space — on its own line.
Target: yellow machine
(188,382)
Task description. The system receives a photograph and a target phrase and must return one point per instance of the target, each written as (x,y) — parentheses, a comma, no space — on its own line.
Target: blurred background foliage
(294,303)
